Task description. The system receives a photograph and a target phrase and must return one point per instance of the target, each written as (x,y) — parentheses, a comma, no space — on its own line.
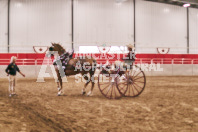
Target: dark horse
(71,68)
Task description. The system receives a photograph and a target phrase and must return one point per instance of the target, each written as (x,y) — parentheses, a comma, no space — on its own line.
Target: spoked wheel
(122,84)
(107,85)
(136,82)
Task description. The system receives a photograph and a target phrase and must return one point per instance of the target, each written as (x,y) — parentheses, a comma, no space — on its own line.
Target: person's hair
(12,59)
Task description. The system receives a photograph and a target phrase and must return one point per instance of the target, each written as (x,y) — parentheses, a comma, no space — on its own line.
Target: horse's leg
(58,86)
(92,79)
(59,81)
(87,82)
(92,82)
(61,86)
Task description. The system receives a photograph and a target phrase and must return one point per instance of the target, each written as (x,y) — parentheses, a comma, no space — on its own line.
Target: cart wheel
(108,87)
(122,84)
(136,81)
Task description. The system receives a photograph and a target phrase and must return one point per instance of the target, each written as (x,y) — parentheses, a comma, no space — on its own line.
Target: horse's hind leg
(59,81)
(87,79)
(59,87)
(92,79)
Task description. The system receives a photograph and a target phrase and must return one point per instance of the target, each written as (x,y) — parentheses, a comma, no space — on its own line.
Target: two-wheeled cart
(118,82)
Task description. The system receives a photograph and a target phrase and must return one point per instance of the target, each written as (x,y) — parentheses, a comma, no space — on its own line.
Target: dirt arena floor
(168,104)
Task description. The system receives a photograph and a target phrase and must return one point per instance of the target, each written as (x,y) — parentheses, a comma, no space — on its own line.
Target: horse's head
(55,49)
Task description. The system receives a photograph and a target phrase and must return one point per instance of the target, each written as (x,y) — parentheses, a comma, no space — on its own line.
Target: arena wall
(193,30)
(108,22)
(97,22)
(160,25)
(152,64)
(32,71)
(3,26)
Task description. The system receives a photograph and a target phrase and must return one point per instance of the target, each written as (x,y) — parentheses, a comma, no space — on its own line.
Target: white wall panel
(193,30)
(98,22)
(160,25)
(39,22)
(3,25)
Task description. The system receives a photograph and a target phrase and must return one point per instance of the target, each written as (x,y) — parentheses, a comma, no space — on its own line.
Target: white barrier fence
(32,71)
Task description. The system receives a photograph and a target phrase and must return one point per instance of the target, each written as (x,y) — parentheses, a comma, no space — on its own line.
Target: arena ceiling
(194,3)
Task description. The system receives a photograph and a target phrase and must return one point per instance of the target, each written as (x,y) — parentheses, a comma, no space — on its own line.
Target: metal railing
(27,61)
(139,61)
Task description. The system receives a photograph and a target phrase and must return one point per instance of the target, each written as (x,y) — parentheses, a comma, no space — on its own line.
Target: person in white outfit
(11,70)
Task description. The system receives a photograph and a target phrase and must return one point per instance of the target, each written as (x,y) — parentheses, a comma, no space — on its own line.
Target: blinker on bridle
(51,49)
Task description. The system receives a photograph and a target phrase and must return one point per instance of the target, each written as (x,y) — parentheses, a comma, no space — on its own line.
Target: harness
(63,59)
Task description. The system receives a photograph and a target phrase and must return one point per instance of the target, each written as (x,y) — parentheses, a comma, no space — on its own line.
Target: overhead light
(186,5)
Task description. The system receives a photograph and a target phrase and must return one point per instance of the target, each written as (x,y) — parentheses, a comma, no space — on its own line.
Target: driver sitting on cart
(129,58)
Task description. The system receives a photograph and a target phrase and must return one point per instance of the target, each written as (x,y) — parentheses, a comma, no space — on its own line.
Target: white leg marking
(59,93)
(90,93)
(59,89)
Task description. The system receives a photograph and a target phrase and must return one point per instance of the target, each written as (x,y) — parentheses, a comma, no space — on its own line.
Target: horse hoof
(83,93)
(89,94)
(59,93)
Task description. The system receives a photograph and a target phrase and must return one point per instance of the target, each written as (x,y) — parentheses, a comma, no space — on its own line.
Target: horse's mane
(60,47)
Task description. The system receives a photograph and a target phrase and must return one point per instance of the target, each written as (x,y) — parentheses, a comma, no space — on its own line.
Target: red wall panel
(29,58)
